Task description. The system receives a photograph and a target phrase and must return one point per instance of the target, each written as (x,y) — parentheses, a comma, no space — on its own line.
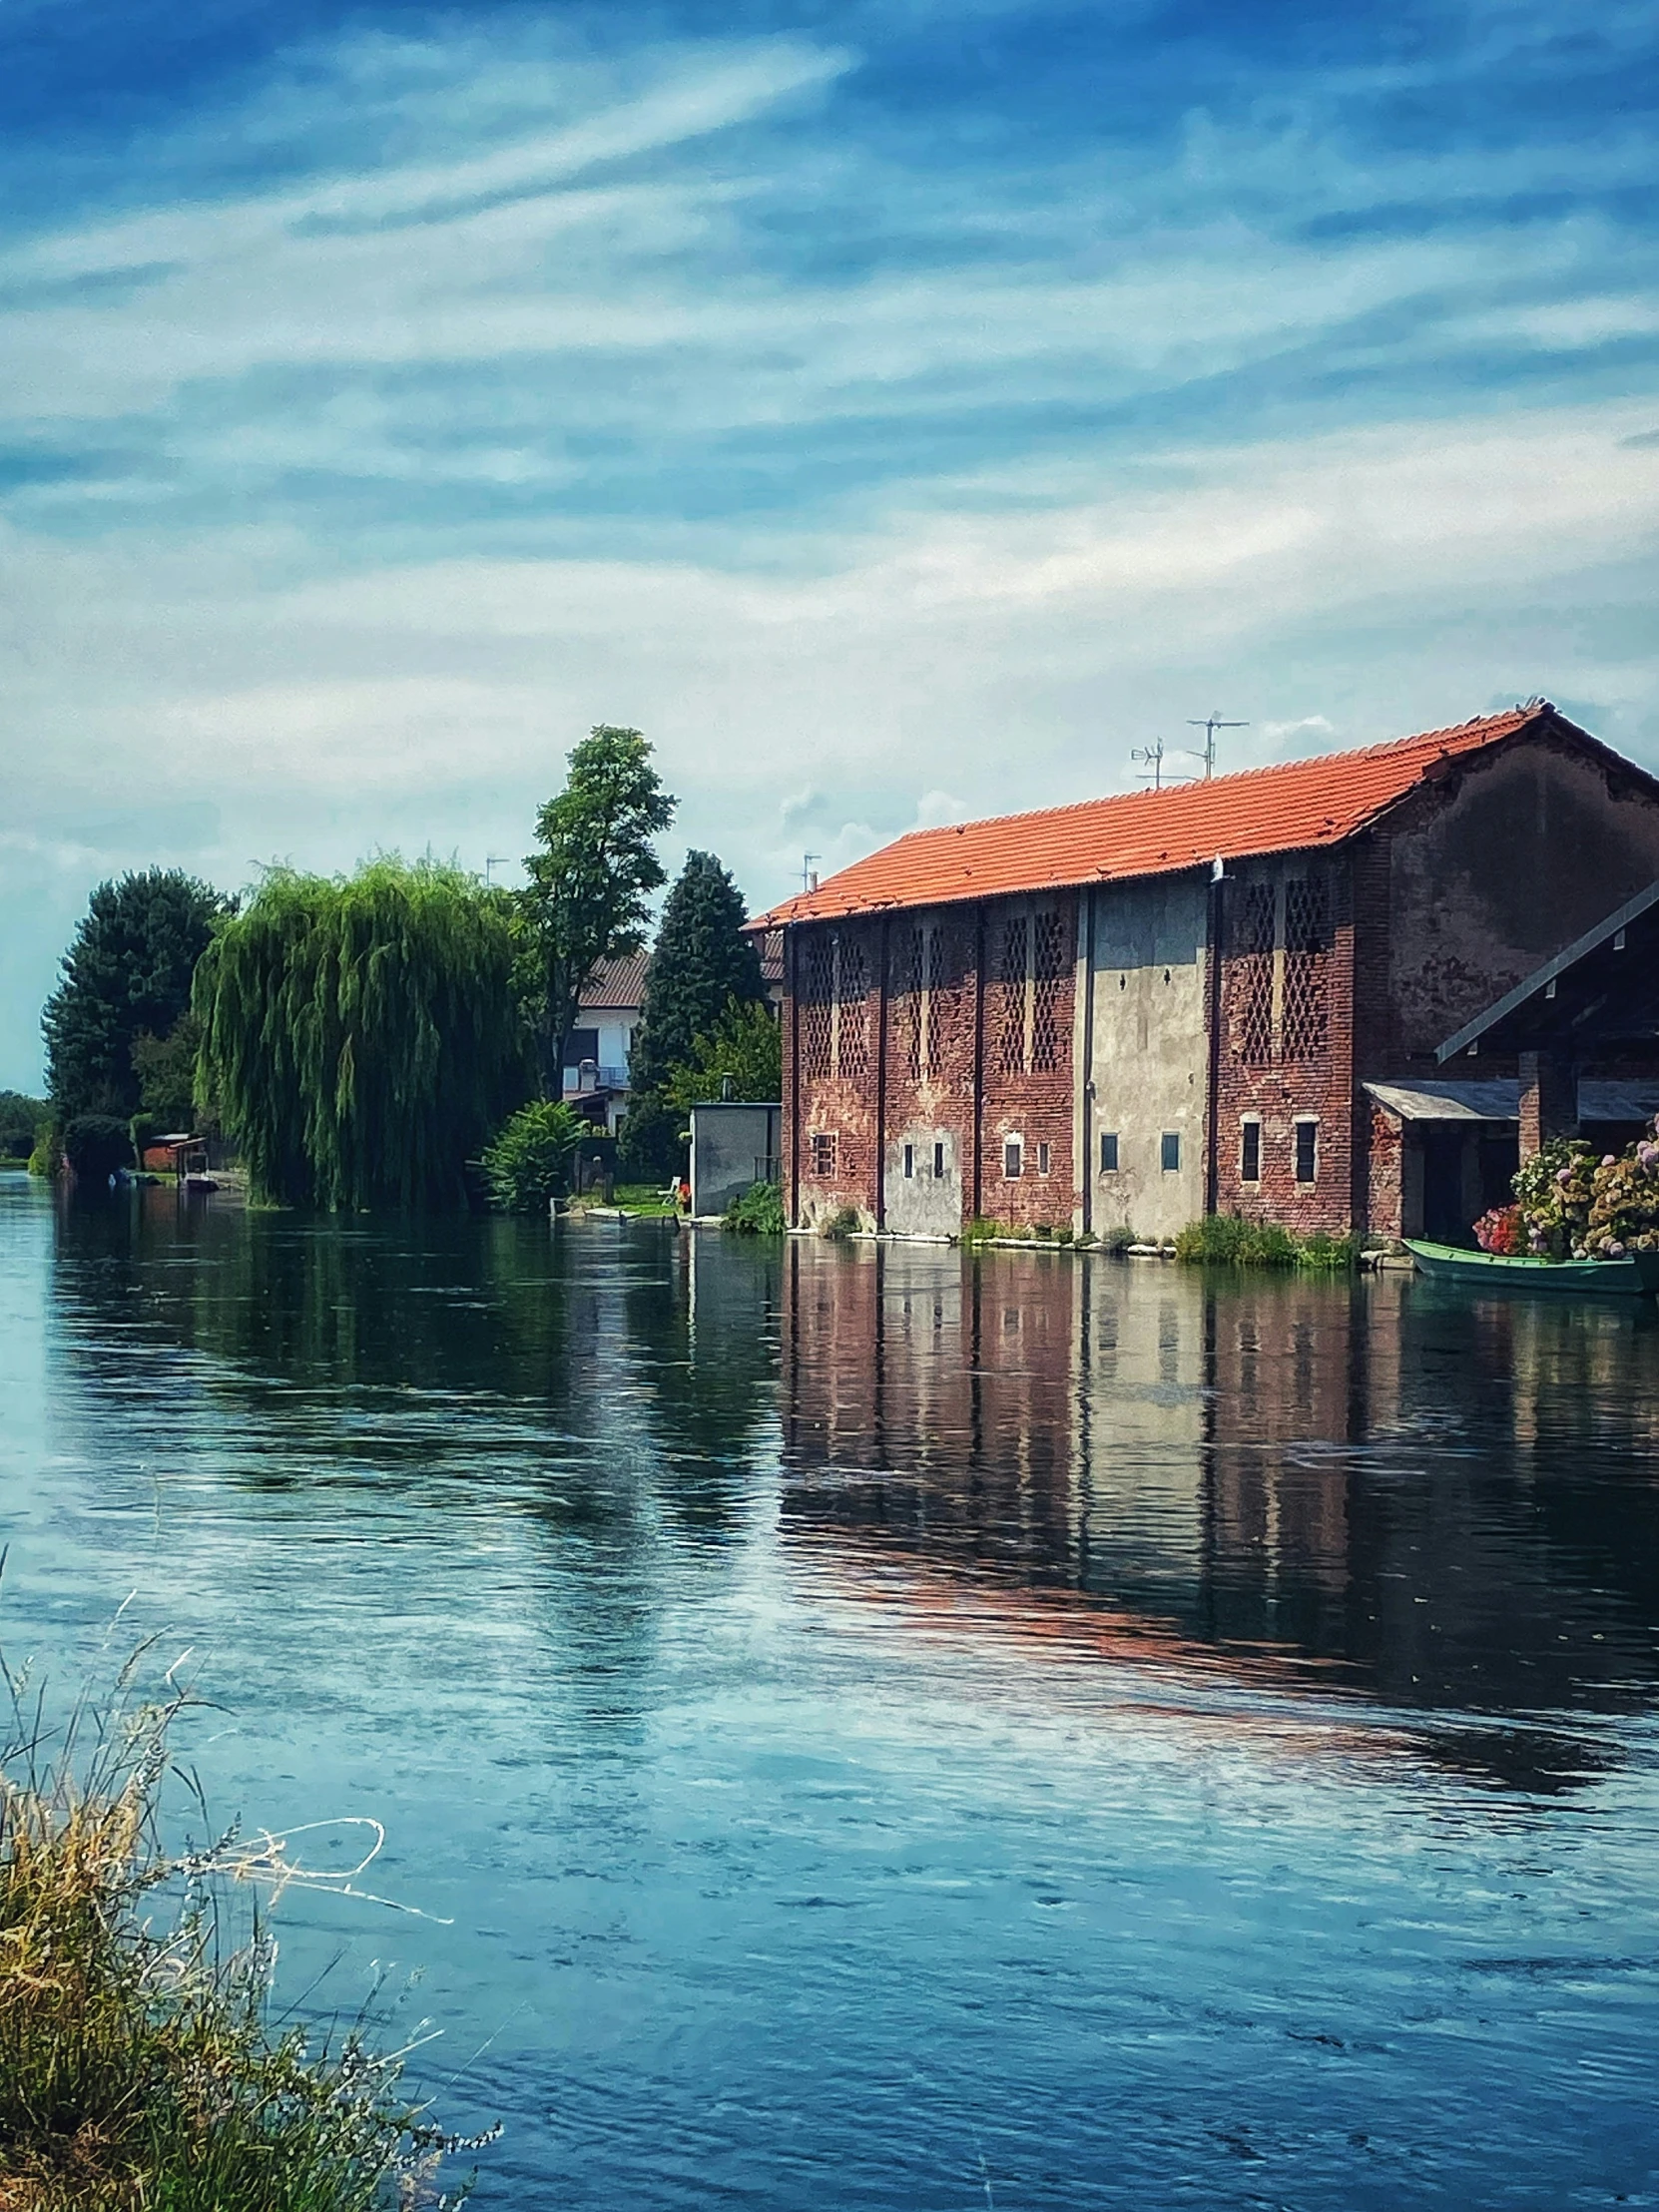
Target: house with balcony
(598,1048)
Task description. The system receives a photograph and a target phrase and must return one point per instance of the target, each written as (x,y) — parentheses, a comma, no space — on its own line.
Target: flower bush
(1624,1203)
(1503,1230)
(1554,1191)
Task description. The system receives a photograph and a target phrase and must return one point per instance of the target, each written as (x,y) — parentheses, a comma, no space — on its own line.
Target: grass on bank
(1226,1240)
(139,2070)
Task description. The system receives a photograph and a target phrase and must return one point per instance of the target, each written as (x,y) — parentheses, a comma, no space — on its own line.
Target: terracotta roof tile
(618,983)
(1285,808)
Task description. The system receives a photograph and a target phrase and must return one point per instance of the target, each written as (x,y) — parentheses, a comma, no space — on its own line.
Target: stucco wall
(731,1149)
(1147,1053)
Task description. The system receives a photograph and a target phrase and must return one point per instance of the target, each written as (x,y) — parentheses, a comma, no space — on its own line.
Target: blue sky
(899,413)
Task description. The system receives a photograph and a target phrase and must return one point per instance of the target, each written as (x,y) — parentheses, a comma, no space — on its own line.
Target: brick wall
(1287,1040)
(883,1022)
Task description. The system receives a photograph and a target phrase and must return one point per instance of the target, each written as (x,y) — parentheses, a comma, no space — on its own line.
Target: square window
(1108,1152)
(1042,1159)
(1250,1152)
(1307,1151)
(1169,1152)
(823,1155)
(909,1162)
(1013,1163)
(938,1163)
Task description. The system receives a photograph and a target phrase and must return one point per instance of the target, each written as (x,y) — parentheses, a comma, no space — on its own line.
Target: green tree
(126,973)
(21,1118)
(591,879)
(741,1057)
(166,1071)
(701,962)
(361,1033)
(529,1162)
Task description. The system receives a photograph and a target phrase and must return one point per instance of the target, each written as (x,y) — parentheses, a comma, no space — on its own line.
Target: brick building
(1226,996)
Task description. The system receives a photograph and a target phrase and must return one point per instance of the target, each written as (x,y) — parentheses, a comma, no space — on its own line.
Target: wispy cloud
(896,425)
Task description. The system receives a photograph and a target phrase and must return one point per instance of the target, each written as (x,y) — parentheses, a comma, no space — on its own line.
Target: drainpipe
(1215,937)
(1085,1096)
(792,965)
(979,1131)
(881,1081)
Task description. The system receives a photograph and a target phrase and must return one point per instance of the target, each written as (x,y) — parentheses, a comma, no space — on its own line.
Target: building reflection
(1368,1485)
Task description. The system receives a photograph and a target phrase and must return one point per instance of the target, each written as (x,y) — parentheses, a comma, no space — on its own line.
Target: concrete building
(1226,996)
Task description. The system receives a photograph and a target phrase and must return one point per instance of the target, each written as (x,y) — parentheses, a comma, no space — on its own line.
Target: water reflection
(1443,1502)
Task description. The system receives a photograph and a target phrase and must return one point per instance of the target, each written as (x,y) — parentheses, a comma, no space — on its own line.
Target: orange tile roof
(616,983)
(1290,807)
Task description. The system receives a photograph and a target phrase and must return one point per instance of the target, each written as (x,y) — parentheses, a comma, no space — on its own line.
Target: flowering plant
(1502,1230)
(1624,1203)
(1555,1191)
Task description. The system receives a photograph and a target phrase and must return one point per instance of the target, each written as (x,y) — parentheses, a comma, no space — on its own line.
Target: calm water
(897,1730)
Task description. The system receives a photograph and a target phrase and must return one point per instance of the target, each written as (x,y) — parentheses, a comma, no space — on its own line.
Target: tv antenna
(494,860)
(809,874)
(1210,725)
(1153,773)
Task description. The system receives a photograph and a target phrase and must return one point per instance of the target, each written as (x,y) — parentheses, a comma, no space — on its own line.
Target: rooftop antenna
(1153,755)
(494,860)
(1210,725)
(809,874)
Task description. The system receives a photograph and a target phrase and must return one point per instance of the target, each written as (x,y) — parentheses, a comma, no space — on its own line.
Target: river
(892,1729)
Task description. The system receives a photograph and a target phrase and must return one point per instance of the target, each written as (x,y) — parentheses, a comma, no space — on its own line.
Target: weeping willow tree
(361,1034)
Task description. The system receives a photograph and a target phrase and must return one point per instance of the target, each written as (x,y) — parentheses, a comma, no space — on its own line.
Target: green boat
(1637,1275)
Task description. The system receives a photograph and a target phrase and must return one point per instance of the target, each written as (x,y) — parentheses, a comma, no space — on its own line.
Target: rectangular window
(1250,1152)
(1108,1152)
(823,1155)
(1307,1151)
(1169,1152)
(1042,1159)
(938,1163)
(909,1162)
(1012,1161)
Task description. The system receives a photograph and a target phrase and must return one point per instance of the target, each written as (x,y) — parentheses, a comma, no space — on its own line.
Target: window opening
(1042,1159)
(1307,1151)
(1250,1152)
(1012,1162)
(1108,1152)
(938,1161)
(1169,1151)
(824,1153)
(909,1162)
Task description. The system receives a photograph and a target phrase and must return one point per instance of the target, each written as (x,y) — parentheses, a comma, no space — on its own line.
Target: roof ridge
(1514,716)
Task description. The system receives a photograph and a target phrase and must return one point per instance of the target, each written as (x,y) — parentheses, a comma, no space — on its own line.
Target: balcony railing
(595,1075)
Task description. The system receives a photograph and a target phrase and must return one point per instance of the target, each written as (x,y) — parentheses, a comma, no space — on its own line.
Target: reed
(139,2069)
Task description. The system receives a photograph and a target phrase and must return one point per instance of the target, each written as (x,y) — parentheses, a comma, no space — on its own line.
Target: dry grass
(138,2072)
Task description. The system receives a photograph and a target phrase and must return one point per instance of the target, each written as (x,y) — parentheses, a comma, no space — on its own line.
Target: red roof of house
(1286,808)
(616,983)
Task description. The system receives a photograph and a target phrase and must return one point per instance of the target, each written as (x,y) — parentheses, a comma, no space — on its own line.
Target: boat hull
(1634,1277)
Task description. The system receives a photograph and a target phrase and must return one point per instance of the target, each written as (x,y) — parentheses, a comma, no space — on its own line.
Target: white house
(598,1049)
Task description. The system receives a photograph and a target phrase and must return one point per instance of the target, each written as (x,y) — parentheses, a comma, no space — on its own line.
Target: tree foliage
(96,1145)
(591,879)
(741,1057)
(126,973)
(361,1033)
(529,1162)
(21,1118)
(166,1068)
(700,964)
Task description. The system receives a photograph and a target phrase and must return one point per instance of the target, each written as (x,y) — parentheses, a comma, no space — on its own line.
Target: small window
(1169,1152)
(1013,1163)
(1250,1152)
(1042,1159)
(1307,1151)
(823,1155)
(1108,1152)
(909,1162)
(938,1163)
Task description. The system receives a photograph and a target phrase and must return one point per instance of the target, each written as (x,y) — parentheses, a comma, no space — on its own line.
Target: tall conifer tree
(700,963)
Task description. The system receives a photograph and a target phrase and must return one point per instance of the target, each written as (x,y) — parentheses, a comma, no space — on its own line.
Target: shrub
(1330,1253)
(47,1157)
(844,1222)
(1555,1191)
(1503,1230)
(96,1145)
(1624,1202)
(1226,1240)
(1119,1240)
(759,1212)
(529,1162)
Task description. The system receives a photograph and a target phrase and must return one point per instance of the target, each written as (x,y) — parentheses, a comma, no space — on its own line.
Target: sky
(900,412)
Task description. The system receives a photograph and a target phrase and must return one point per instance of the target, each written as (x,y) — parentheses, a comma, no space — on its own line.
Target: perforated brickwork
(1010,996)
(815,1006)
(1307,965)
(1252,963)
(916,979)
(1051,965)
(852,994)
